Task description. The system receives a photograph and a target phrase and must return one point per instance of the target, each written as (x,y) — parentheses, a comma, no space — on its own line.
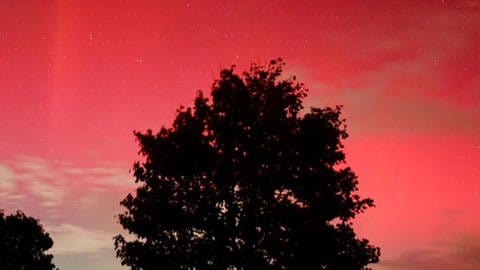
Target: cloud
(76,204)
(108,177)
(73,239)
(7,181)
(412,70)
(52,188)
(51,195)
(460,252)
(34,176)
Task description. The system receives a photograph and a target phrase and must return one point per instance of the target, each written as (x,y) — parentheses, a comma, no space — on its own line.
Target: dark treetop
(245,180)
(23,243)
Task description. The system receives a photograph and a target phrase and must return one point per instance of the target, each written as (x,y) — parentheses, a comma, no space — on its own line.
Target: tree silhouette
(23,243)
(245,180)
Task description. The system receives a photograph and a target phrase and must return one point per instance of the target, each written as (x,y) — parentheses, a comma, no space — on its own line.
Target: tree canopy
(23,243)
(245,179)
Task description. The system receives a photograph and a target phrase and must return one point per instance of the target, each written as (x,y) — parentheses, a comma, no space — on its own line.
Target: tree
(245,180)
(23,243)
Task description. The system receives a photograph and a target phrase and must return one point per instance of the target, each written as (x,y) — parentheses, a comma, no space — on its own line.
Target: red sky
(76,77)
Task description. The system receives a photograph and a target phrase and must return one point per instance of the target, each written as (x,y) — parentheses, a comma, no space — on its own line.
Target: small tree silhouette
(246,181)
(23,243)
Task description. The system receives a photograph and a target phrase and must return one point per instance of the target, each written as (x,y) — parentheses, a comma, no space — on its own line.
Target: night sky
(77,77)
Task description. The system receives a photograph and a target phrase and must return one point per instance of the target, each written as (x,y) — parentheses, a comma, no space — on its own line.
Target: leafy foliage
(23,243)
(246,180)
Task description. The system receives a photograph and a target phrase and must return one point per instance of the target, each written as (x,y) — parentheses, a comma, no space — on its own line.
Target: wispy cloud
(76,204)
(403,72)
(72,239)
(7,179)
(457,253)
(51,183)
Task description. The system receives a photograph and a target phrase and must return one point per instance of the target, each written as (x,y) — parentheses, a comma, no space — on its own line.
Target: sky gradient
(77,77)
